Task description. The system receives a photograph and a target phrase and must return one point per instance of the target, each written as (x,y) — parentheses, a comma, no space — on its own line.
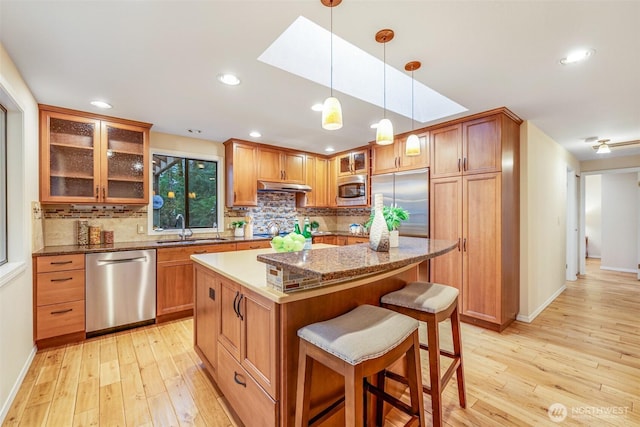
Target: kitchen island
(245,331)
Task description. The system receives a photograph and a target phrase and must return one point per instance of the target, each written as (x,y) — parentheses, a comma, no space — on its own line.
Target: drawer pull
(62,280)
(60,262)
(200,252)
(62,311)
(235,378)
(254,247)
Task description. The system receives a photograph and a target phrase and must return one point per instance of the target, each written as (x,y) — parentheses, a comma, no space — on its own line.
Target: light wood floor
(582,352)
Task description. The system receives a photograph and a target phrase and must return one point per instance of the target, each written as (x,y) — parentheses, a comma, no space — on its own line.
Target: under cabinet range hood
(283,186)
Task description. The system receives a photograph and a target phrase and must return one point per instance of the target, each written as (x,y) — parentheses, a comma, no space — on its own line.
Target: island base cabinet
(206,320)
(251,403)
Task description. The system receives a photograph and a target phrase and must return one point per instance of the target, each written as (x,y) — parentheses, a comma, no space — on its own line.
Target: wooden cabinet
(245,366)
(86,158)
(341,240)
(354,240)
(392,158)
(329,240)
(316,177)
(59,288)
(241,173)
(470,147)
(280,166)
(174,282)
(205,325)
(352,163)
(332,183)
(258,244)
(474,199)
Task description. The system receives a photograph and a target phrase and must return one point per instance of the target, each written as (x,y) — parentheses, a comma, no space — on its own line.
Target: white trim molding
(532,316)
(16,386)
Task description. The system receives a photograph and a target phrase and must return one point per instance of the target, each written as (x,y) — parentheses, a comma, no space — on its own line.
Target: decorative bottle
(296,228)
(306,232)
(378,233)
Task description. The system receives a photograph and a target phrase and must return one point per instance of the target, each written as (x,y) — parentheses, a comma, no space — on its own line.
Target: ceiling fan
(604,146)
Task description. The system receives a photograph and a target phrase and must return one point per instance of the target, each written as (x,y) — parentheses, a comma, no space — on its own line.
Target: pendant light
(384,132)
(331,109)
(412,146)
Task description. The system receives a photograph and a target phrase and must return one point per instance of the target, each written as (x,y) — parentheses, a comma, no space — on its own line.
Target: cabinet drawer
(60,319)
(59,263)
(261,244)
(60,286)
(251,403)
(184,252)
(356,240)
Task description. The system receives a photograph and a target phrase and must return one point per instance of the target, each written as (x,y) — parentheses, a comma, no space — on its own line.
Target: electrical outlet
(140,229)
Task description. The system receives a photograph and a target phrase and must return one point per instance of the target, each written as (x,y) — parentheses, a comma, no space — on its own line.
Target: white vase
(394,238)
(378,233)
(238,231)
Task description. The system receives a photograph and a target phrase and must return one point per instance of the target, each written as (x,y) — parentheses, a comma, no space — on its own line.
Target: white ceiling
(157,61)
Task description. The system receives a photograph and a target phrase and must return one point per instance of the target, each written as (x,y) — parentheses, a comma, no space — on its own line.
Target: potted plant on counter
(393,216)
(315,225)
(238,227)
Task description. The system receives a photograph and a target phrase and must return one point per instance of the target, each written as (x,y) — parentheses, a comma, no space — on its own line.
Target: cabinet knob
(97,192)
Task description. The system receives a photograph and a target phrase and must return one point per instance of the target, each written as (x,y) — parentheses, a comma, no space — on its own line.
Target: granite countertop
(341,262)
(146,244)
(343,266)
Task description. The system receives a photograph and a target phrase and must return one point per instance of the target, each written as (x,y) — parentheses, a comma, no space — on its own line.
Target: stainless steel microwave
(352,190)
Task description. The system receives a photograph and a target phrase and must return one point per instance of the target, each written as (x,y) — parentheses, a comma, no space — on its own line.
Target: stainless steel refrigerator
(409,190)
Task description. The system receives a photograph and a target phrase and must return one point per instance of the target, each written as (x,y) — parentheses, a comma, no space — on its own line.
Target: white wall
(16,317)
(619,222)
(543,187)
(593,214)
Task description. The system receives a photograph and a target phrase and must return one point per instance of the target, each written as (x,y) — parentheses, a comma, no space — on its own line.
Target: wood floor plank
(583,351)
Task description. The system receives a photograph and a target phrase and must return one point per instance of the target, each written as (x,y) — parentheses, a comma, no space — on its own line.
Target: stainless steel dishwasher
(120,290)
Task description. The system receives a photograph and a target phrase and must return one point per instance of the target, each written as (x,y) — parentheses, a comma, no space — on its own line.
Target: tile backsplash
(59,221)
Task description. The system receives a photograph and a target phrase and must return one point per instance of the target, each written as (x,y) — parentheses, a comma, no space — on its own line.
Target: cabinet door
(385,158)
(482,247)
(344,165)
(446,151)
(229,323)
(69,158)
(205,327)
(242,181)
(414,162)
(332,183)
(174,287)
(359,161)
(259,328)
(124,171)
(269,166)
(320,186)
(341,240)
(446,224)
(481,145)
(293,165)
(309,199)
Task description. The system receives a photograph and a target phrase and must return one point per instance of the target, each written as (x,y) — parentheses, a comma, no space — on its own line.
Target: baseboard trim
(16,386)
(621,270)
(532,316)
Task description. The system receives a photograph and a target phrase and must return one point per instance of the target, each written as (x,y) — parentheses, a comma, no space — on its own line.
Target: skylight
(303,49)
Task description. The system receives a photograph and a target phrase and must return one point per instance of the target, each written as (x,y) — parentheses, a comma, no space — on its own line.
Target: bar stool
(357,345)
(432,303)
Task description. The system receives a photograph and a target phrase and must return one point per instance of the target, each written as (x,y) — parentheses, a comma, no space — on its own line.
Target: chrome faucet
(183,233)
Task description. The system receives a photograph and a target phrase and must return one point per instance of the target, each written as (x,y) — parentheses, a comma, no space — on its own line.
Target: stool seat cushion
(364,333)
(422,296)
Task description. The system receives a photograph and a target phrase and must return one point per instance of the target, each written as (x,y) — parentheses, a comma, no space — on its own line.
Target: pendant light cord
(412,80)
(384,79)
(331,44)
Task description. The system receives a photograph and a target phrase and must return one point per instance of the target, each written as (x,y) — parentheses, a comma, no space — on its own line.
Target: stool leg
(457,350)
(354,397)
(379,402)
(434,371)
(414,376)
(303,390)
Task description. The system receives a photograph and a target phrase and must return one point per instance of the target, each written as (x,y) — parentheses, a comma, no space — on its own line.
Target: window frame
(4,243)
(219,180)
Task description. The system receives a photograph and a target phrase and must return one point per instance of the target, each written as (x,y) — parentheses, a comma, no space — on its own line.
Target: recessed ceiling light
(317,107)
(577,56)
(101,104)
(229,79)
(255,134)
(329,149)
(194,131)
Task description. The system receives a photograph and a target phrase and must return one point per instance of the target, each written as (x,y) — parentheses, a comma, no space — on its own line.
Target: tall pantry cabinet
(474,199)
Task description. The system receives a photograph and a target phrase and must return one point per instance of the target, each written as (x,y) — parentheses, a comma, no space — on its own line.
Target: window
(3,185)
(185,186)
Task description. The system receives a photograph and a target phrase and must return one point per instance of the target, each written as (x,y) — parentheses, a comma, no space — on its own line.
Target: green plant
(315,224)
(393,216)
(238,224)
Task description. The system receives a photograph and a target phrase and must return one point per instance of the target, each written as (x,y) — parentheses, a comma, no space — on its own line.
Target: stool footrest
(442,352)
(327,412)
(390,399)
